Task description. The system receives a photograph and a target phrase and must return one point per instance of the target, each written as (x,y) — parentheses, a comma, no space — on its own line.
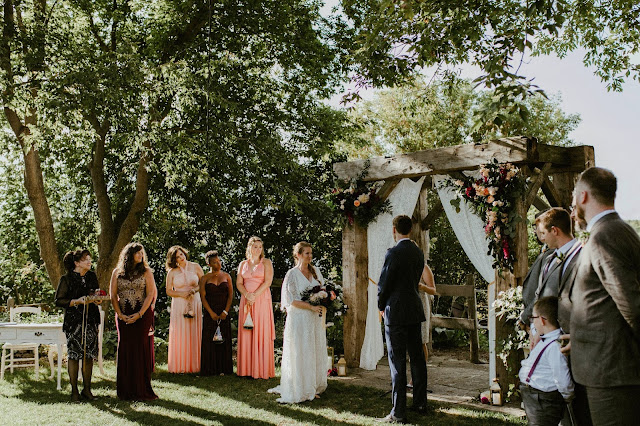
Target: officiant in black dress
(81,318)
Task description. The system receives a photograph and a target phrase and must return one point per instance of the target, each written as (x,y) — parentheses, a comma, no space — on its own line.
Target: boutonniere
(560,257)
(583,237)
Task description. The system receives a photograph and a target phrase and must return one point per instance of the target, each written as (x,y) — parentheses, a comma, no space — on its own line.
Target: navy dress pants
(400,340)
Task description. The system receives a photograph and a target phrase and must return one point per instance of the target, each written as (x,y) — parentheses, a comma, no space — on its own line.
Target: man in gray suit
(530,283)
(554,228)
(579,406)
(605,315)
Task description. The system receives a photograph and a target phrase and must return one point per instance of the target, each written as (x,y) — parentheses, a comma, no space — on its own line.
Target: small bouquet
(98,295)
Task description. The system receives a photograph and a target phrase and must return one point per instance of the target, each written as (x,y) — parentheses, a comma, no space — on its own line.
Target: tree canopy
(203,119)
(397,38)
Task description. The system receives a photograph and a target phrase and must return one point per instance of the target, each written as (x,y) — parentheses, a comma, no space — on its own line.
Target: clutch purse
(217,336)
(248,321)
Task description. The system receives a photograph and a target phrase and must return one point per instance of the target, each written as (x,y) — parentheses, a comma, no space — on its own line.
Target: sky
(610,121)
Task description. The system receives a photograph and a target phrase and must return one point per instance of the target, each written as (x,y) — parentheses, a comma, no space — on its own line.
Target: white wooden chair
(12,347)
(53,351)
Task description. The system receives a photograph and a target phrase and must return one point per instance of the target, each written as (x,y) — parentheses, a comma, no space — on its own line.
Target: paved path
(451,380)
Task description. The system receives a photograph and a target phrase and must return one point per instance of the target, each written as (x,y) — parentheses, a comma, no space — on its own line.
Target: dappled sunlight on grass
(193,400)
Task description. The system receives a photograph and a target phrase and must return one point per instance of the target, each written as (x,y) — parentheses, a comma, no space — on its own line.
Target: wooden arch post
(355,282)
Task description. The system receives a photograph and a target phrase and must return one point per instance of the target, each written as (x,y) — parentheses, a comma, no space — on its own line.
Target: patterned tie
(548,265)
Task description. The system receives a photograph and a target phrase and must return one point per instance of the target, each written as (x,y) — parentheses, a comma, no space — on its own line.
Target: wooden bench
(470,323)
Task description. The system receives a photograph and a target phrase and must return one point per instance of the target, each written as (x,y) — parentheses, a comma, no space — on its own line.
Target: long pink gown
(255,347)
(185,334)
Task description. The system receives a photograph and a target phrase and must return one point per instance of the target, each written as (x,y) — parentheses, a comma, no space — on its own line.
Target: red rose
(470,192)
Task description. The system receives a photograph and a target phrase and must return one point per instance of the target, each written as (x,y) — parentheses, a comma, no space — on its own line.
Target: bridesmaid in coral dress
(255,346)
(185,326)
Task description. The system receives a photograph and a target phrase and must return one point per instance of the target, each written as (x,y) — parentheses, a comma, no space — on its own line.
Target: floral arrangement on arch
(492,196)
(358,201)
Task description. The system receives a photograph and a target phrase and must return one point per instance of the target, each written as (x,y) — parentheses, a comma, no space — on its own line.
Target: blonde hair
(297,251)
(250,244)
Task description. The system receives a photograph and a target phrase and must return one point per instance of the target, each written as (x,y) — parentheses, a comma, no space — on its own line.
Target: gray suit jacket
(530,285)
(565,289)
(605,316)
(548,283)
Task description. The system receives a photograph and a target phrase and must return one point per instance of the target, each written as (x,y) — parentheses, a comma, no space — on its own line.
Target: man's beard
(580,221)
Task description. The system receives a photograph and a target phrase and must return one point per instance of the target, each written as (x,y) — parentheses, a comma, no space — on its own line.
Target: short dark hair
(71,257)
(558,217)
(547,307)
(210,255)
(602,184)
(403,224)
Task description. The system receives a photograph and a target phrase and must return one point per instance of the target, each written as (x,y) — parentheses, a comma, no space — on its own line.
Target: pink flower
(487,228)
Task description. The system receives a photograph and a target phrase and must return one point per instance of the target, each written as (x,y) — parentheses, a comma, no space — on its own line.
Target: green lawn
(193,400)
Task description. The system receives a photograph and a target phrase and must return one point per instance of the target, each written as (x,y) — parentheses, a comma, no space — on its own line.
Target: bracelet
(225,312)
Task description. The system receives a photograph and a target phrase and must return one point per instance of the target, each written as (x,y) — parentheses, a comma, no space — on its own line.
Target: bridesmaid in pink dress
(185,326)
(255,346)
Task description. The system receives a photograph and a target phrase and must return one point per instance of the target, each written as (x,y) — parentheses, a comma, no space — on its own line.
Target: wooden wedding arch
(552,169)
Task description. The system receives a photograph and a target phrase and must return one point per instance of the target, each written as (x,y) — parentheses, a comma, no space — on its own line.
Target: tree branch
(106,236)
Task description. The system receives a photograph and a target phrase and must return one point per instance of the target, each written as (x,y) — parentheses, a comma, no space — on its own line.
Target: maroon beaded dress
(135,346)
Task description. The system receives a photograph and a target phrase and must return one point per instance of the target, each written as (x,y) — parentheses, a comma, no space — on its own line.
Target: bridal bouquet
(329,296)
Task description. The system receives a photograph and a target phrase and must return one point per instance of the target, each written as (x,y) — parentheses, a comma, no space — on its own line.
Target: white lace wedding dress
(304,350)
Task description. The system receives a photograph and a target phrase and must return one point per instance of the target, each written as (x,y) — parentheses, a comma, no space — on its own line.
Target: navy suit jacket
(398,293)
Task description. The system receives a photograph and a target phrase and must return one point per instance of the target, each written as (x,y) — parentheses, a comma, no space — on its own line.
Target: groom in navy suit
(400,304)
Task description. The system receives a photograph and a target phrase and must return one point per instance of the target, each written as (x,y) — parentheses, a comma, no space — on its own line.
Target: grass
(192,400)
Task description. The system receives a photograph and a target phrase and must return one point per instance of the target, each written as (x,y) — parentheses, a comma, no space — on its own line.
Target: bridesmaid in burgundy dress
(132,290)
(216,293)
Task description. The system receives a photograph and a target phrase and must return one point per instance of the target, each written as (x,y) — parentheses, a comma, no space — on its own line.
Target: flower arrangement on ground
(493,197)
(508,306)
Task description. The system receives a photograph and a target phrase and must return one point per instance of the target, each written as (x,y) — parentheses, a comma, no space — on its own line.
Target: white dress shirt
(552,371)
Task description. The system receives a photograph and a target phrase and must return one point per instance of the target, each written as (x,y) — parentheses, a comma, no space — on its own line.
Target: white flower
(363,198)
(339,313)
(493,190)
(458,182)
(329,324)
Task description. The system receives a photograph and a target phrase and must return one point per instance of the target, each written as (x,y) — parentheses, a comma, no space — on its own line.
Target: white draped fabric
(469,229)
(379,239)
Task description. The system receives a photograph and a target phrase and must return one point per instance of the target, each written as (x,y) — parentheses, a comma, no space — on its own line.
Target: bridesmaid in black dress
(216,293)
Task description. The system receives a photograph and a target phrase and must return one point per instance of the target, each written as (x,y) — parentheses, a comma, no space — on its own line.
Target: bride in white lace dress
(304,352)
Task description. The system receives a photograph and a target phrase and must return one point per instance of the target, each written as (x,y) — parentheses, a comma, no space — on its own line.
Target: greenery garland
(358,201)
(493,198)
